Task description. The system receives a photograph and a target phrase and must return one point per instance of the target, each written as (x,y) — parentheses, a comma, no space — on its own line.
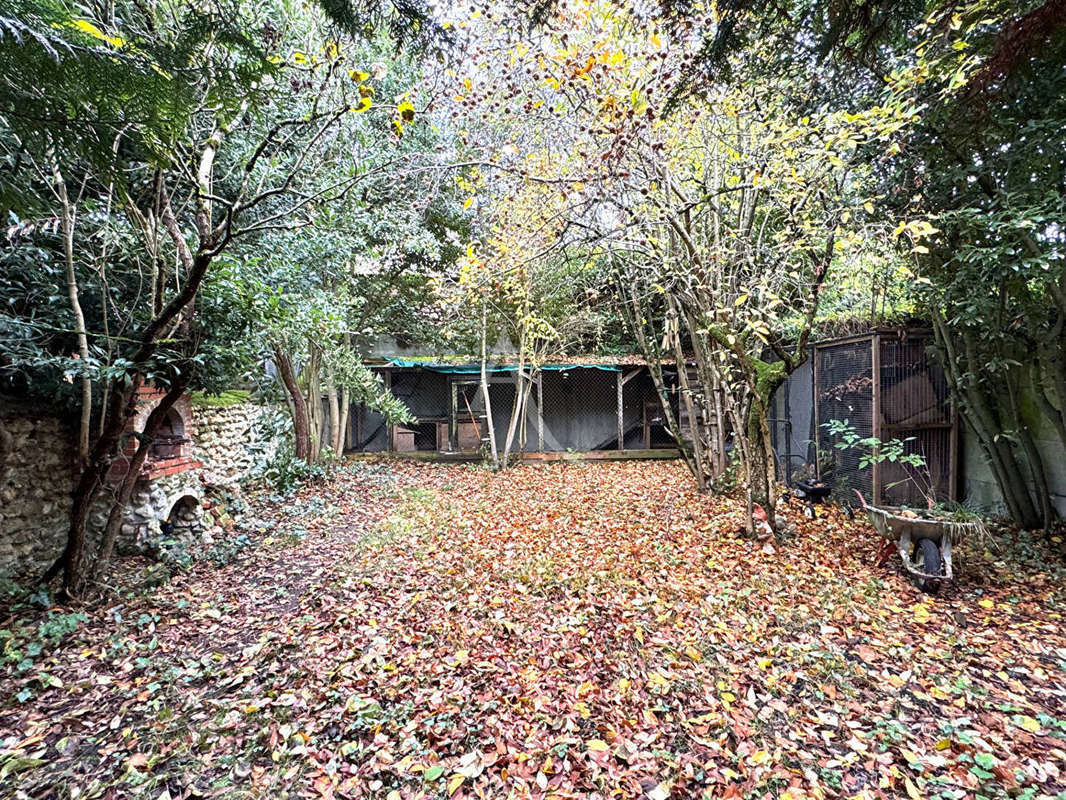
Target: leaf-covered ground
(559,631)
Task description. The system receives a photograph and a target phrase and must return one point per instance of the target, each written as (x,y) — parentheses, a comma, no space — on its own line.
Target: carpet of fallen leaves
(561,631)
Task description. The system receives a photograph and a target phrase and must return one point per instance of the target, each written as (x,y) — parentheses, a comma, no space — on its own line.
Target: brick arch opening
(170,438)
(185,515)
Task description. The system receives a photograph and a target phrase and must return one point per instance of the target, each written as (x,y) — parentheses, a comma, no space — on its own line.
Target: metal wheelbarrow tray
(924,543)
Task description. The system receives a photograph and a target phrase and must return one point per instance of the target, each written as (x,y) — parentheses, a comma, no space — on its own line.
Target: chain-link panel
(576,409)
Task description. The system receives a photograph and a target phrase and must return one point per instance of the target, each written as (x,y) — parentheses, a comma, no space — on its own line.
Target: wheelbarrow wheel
(927,559)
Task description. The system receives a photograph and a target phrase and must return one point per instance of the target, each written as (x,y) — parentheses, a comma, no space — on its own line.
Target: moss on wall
(230,397)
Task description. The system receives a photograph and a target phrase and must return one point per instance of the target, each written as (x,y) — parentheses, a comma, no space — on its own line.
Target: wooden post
(647,427)
(719,424)
(358,414)
(623,379)
(389,427)
(453,419)
(875,368)
(814,413)
(540,411)
(953,456)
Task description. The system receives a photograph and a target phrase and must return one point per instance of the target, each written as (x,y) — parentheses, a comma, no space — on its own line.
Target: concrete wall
(793,419)
(979,486)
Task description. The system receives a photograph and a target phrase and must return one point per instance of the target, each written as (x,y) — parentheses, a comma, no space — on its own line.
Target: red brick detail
(170,467)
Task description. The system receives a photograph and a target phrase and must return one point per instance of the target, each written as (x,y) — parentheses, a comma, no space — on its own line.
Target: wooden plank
(647,427)
(607,455)
(890,430)
(388,425)
(359,424)
(453,420)
(953,456)
(631,375)
(621,421)
(814,411)
(540,412)
(659,454)
(875,369)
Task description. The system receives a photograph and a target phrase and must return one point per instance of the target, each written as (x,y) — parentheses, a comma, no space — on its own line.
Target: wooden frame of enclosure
(449,439)
(881,429)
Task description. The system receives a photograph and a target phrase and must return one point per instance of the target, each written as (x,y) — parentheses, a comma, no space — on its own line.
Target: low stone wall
(171,509)
(224,439)
(164,509)
(37,457)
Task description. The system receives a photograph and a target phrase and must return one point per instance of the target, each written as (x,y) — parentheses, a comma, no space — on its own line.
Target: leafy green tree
(318,293)
(723,220)
(975,178)
(975,185)
(216,135)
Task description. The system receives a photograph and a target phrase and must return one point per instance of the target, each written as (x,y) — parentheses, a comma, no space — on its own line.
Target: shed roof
(502,365)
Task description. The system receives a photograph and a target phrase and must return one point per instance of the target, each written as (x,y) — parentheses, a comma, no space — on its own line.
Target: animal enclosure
(572,407)
(887,384)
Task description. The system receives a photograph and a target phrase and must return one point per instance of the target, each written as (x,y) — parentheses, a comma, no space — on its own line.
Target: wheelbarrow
(924,543)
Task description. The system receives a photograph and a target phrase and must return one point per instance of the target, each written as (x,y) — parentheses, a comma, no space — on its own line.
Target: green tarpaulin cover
(474,369)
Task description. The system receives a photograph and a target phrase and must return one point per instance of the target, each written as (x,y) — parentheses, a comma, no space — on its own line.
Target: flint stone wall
(37,460)
(224,441)
(167,509)
(37,457)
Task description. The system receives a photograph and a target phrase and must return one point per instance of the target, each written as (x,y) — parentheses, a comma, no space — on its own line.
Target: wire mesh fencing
(556,409)
(884,385)
(891,392)
(844,391)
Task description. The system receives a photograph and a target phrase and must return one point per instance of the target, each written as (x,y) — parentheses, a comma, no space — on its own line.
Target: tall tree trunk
(68,219)
(485,386)
(314,403)
(978,413)
(122,408)
(635,315)
(517,411)
(301,423)
(762,474)
(122,392)
(1037,472)
(334,405)
(713,413)
(673,332)
(129,481)
(340,438)
(734,402)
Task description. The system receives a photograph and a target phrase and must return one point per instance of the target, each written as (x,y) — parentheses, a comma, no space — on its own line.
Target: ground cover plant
(573,630)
